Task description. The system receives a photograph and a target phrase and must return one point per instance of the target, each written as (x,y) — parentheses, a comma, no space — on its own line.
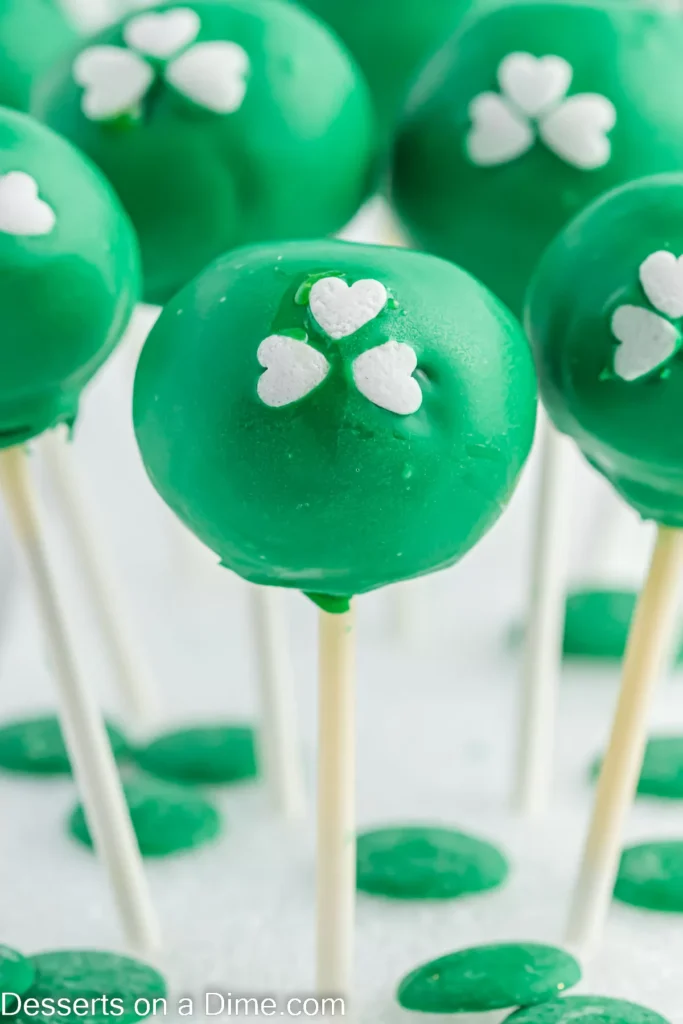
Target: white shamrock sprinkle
(384,375)
(115,80)
(341,310)
(22,211)
(293,369)
(534,105)
(648,340)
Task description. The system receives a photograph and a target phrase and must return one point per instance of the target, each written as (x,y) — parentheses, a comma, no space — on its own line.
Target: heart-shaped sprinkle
(293,370)
(22,211)
(498,132)
(647,341)
(577,130)
(385,376)
(213,75)
(114,80)
(661,276)
(162,35)
(534,84)
(342,310)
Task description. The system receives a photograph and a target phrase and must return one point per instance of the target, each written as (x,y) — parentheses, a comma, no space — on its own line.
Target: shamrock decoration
(22,211)
(648,340)
(115,81)
(383,374)
(534,105)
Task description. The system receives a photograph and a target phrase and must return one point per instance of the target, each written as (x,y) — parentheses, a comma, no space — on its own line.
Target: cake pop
(33,35)
(334,418)
(68,284)
(219,124)
(604,316)
(537,109)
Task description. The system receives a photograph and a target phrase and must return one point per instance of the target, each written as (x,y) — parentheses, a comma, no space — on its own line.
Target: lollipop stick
(649,644)
(336,858)
(86,738)
(544,630)
(137,687)
(280,746)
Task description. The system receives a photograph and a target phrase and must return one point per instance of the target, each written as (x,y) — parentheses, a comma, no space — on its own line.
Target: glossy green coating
(333,494)
(630,430)
(586,1010)
(33,35)
(597,623)
(91,975)
(415,862)
(66,293)
(291,161)
(495,221)
(651,876)
(166,819)
(391,40)
(489,978)
(35,746)
(17,973)
(662,772)
(203,755)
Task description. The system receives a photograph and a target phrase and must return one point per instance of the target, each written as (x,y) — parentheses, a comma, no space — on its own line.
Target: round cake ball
(391,40)
(33,35)
(605,316)
(334,417)
(218,124)
(68,277)
(541,108)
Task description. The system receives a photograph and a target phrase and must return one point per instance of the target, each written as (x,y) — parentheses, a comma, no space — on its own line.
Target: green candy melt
(494,977)
(605,318)
(586,1010)
(203,755)
(33,35)
(17,974)
(35,746)
(250,124)
(651,876)
(370,433)
(166,819)
(415,862)
(662,772)
(499,151)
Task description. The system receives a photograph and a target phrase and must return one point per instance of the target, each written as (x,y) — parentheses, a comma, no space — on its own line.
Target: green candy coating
(35,746)
(597,623)
(291,159)
(391,40)
(17,973)
(628,427)
(33,35)
(651,876)
(586,1010)
(332,493)
(166,819)
(414,862)
(91,974)
(495,220)
(203,755)
(662,772)
(489,978)
(68,277)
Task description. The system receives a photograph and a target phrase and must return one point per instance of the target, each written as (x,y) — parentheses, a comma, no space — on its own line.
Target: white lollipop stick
(279,738)
(90,753)
(336,855)
(650,641)
(542,658)
(138,689)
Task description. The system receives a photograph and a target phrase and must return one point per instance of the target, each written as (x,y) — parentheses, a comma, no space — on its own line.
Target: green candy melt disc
(35,746)
(586,1010)
(416,862)
(496,977)
(167,819)
(98,978)
(203,755)
(651,876)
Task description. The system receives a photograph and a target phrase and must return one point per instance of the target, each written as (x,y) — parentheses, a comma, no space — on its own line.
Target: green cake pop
(219,124)
(605,317)
(541,108)
(332,417)
(33,35)
(68,280)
